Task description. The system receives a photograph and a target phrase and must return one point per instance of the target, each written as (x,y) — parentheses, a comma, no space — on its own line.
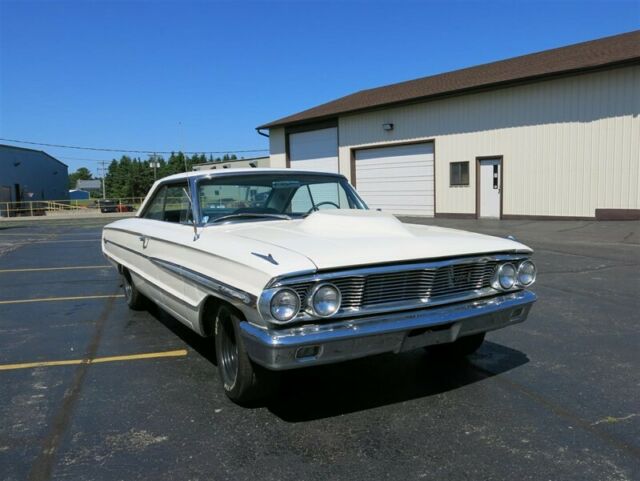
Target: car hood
(345,238)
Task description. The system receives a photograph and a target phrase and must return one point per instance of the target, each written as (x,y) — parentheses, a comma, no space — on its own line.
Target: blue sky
(202,75)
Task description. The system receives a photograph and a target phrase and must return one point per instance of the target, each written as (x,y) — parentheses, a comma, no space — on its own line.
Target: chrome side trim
(220,288)
(164,291)
(133,251)
(210,284)
(160,239)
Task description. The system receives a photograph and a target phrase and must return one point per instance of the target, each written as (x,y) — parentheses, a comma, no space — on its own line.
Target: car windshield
(272,196)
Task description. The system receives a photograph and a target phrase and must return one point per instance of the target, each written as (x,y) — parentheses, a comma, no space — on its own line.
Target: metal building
(551,134)
(29,175)
(234,164)
(91,185)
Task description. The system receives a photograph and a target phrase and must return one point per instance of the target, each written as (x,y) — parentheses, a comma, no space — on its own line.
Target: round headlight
(325,300)
(526,273)
(285,305)
(506,276)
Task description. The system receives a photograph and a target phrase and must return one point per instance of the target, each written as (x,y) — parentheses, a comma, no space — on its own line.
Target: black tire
(243,381)
(135,299)
(463,347)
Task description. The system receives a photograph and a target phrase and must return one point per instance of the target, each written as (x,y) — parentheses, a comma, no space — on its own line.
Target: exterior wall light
(387,127)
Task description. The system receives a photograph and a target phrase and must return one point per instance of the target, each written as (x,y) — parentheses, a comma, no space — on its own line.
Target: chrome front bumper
(296,347)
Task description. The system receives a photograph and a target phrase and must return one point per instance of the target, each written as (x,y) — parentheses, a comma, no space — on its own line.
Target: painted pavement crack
(43,465)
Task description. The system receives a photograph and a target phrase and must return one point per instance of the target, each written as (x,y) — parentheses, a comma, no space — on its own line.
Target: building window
(458,173)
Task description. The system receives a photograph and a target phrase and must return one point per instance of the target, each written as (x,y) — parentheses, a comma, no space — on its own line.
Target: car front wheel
(243,381)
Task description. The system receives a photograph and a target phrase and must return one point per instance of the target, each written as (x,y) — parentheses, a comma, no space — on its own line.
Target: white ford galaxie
(287,269)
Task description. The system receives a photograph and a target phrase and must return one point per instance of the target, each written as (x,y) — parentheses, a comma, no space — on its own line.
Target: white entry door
(490,188)
(397,179)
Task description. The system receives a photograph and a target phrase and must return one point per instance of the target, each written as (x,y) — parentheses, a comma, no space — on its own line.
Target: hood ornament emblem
(268,258)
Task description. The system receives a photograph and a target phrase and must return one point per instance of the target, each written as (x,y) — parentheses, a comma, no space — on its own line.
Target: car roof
(207,174)
(248,170)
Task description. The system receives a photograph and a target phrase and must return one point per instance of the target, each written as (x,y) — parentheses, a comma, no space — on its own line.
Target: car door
(164,236)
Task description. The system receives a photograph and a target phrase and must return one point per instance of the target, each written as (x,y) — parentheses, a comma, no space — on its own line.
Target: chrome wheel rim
(128,289)
(228,350)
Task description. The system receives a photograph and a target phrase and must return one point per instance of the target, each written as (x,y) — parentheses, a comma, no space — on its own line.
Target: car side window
(170,204)
(177,207)
(155,210)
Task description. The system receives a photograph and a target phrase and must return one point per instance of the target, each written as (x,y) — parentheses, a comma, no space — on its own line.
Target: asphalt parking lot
(557,397)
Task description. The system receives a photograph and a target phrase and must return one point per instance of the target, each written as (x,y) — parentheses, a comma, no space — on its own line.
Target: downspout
(262,133)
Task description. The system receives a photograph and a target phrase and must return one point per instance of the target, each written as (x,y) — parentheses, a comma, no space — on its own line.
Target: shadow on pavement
(12,226)
(202,345)
(327,391)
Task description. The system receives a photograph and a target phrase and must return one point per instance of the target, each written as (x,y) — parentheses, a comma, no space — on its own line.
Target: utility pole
(104,172)
(155,165)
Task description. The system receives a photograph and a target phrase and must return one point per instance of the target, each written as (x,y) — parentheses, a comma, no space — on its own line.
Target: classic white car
(287,269)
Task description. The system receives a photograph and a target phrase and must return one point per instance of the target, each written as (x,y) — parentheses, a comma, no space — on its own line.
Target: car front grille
(414,285)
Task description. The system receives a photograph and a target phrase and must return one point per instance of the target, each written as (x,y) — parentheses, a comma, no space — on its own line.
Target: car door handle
(142,238)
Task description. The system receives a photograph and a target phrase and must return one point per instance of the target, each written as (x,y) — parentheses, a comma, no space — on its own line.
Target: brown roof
(608,51)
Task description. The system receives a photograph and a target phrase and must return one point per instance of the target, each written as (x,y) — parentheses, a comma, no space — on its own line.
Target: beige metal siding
(569,145)
(315,150)
(277,151)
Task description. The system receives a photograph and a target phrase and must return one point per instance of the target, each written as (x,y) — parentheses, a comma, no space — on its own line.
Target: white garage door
(397,179)
(314,150)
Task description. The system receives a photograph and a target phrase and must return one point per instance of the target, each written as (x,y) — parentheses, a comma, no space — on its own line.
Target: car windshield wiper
(247,215)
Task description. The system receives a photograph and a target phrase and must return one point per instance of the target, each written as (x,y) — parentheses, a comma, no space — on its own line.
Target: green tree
(132,177)
(81,174)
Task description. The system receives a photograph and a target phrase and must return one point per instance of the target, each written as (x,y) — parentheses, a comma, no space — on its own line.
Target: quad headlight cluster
(511,275)
(282,305)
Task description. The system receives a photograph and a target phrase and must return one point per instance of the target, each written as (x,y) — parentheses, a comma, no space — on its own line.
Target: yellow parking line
(97,360)
(133,357)
(68,268)
(48,299)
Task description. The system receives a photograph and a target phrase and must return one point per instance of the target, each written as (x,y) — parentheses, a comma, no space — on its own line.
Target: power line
(99,149)
(83,159)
